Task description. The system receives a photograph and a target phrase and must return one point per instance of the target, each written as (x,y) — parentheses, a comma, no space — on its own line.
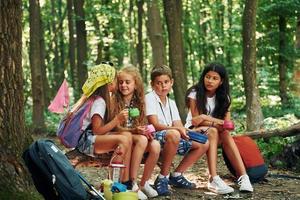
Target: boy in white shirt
(162,112)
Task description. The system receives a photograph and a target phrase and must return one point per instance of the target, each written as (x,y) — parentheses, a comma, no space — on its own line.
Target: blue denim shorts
(86,143)
(184,145)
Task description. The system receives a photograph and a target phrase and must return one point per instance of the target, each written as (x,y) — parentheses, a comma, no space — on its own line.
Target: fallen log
(287,132)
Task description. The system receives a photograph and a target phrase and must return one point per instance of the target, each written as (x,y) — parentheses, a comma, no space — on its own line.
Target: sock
(162,176)
(175,174)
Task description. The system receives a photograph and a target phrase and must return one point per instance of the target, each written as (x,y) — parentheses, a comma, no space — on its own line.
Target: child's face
(126,84)
(162,85)
(212,81)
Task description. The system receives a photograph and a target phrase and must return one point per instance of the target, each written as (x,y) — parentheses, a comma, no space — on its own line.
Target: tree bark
(155,32)
(173,11)
(81,42)
(14,179)
(282,62)
(253,109)
(72,50)
(296,76)
(140,47)
(35,66)
(287,132)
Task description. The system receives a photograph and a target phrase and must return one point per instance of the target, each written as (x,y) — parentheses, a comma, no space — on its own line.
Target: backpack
(52,173)
(252,159)
(70,127)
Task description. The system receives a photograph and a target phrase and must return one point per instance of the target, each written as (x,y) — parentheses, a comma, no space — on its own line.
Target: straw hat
(99,75)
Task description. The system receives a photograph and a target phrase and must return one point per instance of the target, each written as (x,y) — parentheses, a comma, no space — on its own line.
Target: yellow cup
(125,196)
(107,189)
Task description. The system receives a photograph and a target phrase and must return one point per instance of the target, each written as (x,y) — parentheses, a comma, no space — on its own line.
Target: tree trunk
(72,55)
(287,132)
(57,69)
(155,32)
(253,109)
(14,178)
(35,66)
(173,11)
(282,62)
(139,47)
(81,42)
(296,78)
(230,35)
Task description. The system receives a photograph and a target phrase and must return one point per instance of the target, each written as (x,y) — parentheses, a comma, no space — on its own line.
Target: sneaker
(219,186)
(141,195)
(245,184)
(149,191)
(161,186)
(181,182)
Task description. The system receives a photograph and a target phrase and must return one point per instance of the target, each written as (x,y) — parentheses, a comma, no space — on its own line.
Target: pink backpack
(70,127)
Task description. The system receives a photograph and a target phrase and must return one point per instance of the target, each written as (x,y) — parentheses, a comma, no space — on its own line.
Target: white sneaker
(141,195)
(245,184)
(219,186)
(149,191)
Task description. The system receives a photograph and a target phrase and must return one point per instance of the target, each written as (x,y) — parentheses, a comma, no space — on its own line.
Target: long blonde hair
(138,98)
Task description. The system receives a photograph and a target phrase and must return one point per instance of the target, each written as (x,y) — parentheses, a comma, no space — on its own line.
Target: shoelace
(241,180)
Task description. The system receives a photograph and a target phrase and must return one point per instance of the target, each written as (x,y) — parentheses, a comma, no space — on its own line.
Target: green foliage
(51,121)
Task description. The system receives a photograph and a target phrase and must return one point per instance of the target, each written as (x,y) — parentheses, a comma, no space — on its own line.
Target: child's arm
(202,119)
(97,123)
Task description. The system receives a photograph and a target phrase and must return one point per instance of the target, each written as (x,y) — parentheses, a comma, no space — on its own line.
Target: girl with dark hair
(209,102)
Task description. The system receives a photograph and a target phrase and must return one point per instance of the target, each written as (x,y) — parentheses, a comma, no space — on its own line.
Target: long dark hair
(104,93)
(223,99)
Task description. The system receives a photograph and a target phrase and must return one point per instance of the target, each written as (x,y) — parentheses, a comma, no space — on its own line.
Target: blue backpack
(53,175)
(70,127)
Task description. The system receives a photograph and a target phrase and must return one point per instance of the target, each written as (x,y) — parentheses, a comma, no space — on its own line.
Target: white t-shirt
(166,114)
(98,107)
(210,106)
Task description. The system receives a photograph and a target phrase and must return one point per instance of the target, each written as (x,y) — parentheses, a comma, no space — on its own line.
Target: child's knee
(154,147)
(213,134)
(172,136)
(128,136)
(141,141)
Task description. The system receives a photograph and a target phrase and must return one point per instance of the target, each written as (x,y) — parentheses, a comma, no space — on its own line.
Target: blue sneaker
(181,182)
(161,186)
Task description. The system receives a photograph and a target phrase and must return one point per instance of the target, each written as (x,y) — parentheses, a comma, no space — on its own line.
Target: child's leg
(127,157)
(154,150)
(172,138)
(196,152)
(232,153)
(140,143)
(212,153)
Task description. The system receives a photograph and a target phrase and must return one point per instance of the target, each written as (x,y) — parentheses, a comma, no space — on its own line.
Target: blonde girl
(130,94)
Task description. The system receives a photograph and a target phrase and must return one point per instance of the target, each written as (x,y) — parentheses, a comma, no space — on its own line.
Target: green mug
(134,112)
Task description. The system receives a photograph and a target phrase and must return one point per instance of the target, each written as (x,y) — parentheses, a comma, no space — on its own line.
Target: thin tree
(139,46)
(35,66)
(14,139)
(155,32)
(282,61)
(72,49)
(81,42)
(253,108)
(173,13)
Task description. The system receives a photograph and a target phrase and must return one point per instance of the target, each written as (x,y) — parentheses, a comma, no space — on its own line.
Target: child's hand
(197,120)
(183,133)
(143,131)
(122,116)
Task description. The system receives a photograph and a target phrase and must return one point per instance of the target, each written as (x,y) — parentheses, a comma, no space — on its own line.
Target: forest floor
(279,184)
(276,187)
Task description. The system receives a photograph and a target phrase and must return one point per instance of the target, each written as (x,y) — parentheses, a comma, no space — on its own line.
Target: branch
(287,132)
